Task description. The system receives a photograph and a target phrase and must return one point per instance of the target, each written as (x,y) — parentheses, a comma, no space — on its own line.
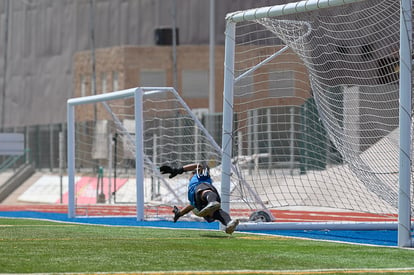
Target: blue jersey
(192,186)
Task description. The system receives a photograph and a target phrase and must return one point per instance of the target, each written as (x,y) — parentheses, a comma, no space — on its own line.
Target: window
(155,78)
(281,84)
(115,85)
(83,85)
(195,84)
(244,87)
(103,83)
(93,90)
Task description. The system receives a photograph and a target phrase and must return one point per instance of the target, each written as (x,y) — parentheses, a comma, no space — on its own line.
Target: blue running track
(378,237)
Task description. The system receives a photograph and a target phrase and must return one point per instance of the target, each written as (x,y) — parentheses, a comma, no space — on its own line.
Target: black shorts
(200,204)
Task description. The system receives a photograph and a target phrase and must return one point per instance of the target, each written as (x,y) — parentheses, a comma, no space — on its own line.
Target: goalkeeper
(203,196)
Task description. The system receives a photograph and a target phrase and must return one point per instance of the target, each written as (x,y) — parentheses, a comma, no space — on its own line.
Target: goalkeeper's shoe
(209,209)
(177,213)
(232,226)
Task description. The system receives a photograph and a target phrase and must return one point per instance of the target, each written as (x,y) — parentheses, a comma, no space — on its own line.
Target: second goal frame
(405,91)
(139,158)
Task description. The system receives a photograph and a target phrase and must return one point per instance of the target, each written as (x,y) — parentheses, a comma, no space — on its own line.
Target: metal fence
(45,146)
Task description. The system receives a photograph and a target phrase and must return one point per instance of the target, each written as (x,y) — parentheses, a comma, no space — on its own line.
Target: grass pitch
(32,246)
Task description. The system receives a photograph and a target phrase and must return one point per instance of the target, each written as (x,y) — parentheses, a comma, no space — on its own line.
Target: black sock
(222,216)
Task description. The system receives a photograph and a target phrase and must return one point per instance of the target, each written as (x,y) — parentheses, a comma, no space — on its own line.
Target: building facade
(38,40)
(126,67)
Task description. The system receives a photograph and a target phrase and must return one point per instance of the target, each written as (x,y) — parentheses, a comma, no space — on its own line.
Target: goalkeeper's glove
(172,171)
(177,213)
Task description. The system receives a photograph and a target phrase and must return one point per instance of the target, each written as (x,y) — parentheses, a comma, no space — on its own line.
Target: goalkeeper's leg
(213,210)
(222,216)
(225,219)
(213,202)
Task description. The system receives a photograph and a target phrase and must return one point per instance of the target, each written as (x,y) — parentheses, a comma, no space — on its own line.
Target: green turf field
(30,246)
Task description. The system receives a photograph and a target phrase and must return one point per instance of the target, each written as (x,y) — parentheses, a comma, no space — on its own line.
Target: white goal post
(136,94)
(320,92)
(117,142)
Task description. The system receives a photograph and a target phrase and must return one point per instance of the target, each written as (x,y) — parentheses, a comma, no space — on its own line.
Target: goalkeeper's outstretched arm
(179,213)
(165,169)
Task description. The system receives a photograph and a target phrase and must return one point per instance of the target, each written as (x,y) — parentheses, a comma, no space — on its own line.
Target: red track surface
(128,210)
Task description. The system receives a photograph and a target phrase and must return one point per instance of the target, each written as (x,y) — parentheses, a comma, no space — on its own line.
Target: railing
(14,161)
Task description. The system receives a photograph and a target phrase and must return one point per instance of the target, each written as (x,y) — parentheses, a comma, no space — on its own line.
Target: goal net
(103,134)
(314,95)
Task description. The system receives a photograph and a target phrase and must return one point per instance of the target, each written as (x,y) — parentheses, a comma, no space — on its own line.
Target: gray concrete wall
(43,36)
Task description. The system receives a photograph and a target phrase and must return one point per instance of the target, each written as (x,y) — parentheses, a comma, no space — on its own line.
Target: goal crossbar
(285,9)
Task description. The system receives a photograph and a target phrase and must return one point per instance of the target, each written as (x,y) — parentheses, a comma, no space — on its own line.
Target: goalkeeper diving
(203,196)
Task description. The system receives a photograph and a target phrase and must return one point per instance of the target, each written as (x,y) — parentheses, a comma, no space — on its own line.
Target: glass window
(83,85)
(152,78)
(244,87)
(115,85)
(103,83)
(195,84)
(281,84)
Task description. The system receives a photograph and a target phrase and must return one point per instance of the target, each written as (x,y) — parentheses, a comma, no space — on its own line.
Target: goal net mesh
(105,152)
(316,124)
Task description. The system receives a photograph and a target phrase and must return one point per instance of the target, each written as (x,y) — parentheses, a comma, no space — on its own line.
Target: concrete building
(126,67)
(45,52)
(38,40)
